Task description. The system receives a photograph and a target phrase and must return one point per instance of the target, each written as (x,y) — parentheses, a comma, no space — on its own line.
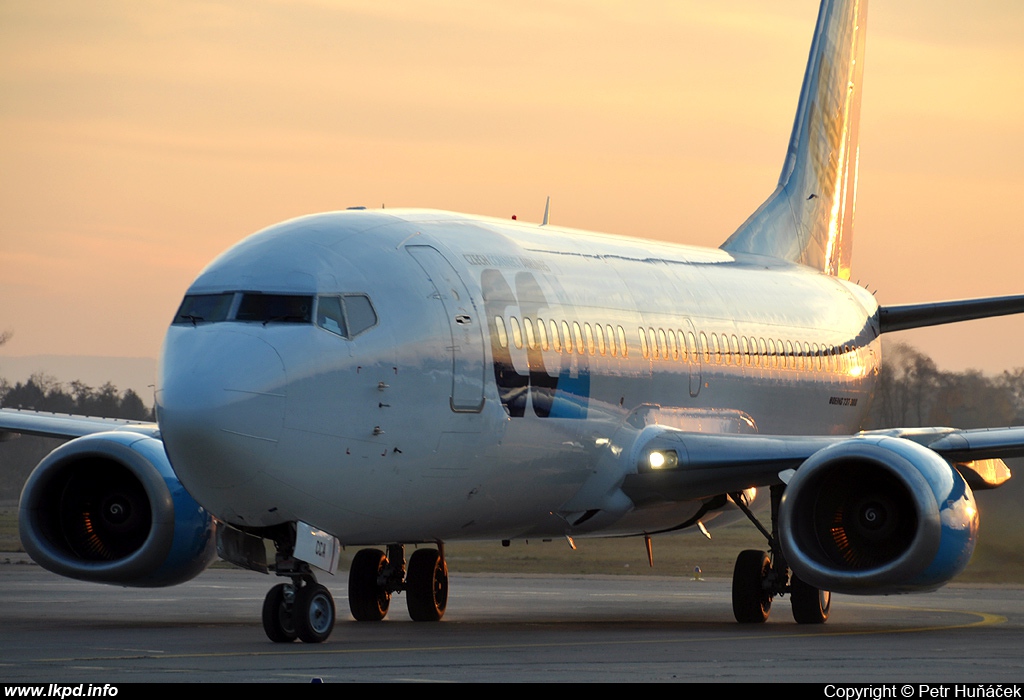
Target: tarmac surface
(502,628)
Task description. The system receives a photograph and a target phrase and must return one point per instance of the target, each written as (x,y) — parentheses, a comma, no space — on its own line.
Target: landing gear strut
(760,576)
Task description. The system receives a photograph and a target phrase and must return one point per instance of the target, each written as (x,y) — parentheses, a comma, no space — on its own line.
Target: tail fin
(809,217)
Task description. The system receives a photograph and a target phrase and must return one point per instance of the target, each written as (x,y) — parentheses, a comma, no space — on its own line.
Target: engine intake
(109,508)
(877,514)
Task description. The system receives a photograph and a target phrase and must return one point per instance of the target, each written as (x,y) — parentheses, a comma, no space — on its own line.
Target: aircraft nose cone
(220,405)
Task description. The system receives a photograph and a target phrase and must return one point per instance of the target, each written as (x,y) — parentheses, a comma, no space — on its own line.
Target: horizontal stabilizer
(906,316)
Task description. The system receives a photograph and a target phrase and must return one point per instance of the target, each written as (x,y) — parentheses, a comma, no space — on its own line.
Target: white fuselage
(493,397)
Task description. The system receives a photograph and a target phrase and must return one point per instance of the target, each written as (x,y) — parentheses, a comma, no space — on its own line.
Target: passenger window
(578,337)
(623,346)
(499,327)
(555,342)
(531,340)
(517,333)
(644,349)
(662,344)
(589,333)
(566,337)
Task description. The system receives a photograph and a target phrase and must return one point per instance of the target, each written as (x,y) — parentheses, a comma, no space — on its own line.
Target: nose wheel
(278,613)
(314,613)
(303,612)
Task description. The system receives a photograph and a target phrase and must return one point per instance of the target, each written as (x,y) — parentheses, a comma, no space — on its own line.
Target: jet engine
(877,514)
(108,508)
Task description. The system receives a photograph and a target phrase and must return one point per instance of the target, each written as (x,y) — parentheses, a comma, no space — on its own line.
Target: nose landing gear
(302,610)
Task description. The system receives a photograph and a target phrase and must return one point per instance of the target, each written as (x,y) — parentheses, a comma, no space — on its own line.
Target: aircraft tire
(751,602)
(810,605)
(278,615)
(368,601)
(314,613)
(426,585)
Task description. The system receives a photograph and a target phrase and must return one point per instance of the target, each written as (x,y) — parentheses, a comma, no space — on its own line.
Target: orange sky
(138,140)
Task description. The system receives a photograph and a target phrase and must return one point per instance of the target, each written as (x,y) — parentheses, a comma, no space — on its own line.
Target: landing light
(667,459)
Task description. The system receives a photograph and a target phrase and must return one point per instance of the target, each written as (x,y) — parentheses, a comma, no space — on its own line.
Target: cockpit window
(329,315)
(275,308)
(204,308)
(359,312)
(347,315)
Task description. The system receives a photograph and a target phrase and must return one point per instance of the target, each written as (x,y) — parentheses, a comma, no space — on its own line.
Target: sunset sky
(140,139)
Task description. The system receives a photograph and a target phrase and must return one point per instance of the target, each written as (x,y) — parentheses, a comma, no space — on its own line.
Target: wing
(701,465)
(15,422)
(886,511)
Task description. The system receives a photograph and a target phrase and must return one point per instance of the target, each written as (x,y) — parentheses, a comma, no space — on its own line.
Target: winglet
(547,208)
(809,216)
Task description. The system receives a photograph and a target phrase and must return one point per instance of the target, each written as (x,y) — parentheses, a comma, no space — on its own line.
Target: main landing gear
(304,609)
(374,576)
(759,576)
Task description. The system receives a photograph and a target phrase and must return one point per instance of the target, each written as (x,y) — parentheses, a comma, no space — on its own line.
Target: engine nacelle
(877,514)
(109,508)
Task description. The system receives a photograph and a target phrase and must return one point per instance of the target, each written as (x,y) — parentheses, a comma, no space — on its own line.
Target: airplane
(384,379)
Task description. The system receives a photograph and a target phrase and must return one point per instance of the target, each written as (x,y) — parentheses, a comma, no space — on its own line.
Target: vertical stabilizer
(809,216)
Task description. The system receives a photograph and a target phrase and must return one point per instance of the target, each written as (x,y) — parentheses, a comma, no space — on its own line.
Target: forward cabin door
(464,325)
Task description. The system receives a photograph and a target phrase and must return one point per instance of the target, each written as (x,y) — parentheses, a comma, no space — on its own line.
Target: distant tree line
(42,392)
(912,392)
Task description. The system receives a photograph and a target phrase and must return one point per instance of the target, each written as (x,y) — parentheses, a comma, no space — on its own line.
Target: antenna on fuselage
(547,208)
